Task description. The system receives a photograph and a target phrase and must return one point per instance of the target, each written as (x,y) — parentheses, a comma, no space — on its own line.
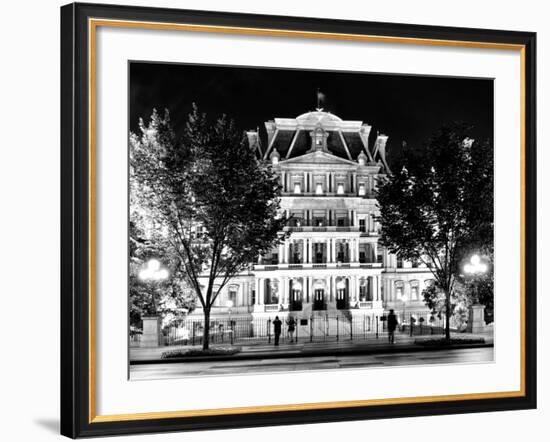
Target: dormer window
(297,188)
(318,139)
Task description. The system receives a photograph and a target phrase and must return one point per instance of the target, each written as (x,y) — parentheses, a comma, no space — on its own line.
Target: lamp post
(475,268)
(152,272)
(404,301)
(230,328)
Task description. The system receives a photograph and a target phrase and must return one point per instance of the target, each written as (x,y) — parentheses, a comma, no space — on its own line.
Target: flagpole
(318,104)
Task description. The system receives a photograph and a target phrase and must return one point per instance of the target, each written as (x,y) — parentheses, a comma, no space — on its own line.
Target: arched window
(232,295)
(415,290)
(399,291)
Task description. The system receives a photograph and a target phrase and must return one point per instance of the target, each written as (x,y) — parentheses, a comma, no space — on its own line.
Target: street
(177,370)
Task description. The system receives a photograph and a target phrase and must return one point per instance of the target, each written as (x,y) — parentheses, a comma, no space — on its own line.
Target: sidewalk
(304,348)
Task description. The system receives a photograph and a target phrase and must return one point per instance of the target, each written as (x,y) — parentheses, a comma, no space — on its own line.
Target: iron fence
(317,327)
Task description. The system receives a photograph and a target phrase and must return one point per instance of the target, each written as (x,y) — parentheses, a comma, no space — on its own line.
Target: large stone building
(331,264)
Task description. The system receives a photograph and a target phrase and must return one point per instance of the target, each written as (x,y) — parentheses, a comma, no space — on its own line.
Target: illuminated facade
(331,264)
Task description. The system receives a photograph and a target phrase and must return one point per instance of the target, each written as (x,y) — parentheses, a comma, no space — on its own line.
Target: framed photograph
(274,220)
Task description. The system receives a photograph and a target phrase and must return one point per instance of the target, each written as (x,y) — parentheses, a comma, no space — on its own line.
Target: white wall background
(29,217)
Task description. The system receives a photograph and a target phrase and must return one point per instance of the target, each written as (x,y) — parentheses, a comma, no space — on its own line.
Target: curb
(311,353)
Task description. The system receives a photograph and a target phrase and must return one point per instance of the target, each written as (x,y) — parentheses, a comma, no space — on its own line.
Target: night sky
(406,108)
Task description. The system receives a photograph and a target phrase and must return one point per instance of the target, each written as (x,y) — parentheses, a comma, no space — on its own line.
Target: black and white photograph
(289,220)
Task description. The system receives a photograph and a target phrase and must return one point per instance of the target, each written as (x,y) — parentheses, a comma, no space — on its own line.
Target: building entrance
(319,300)
(342,301)
(295,303)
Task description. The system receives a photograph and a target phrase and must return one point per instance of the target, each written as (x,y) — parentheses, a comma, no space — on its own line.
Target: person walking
(291,327)
(392,325)
(277,329)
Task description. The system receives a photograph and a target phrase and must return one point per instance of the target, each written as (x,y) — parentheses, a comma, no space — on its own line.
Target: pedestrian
(291,323)
(277,329)
(392,325)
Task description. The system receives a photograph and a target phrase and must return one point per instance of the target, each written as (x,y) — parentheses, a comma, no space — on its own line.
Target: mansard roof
(346,139)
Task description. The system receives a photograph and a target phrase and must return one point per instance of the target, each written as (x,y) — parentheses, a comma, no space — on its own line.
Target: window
(340,189)
(319,189)
(362,225)
(297,188)
(399,293)
(362,293)
(414,291)
(232,295)
(362,189)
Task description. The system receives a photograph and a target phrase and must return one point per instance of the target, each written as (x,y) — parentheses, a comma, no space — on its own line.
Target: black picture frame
(77,420)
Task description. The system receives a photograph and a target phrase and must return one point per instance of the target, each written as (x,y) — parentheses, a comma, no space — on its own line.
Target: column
(257,300)
(349,217)
(282,253)
(310,290)
(333,289)
(357,250)
(370,289)
(286,251)
(261,292)
(327,251)
(327,189)
(333,249)
(310,250)
(375,251)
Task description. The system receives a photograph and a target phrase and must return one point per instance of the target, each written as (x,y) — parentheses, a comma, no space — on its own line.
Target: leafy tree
(215,202)
(438,208)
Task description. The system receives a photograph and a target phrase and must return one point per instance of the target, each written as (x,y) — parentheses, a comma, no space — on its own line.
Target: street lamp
(475,267)
(154,272)
(404,301)
(230,329)
(476,322)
